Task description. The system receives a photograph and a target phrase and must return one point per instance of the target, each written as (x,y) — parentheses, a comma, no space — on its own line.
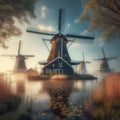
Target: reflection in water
(20,86)
(69,99)
(59,93)
(66,99)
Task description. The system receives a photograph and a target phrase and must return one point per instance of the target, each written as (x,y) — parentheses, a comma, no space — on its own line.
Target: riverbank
(60,77)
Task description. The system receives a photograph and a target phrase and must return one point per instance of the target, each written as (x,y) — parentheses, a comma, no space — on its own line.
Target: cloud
(85,32)
(11,10)
(46,28)
(76,44)
(43,11)
(68,25)
(77,20)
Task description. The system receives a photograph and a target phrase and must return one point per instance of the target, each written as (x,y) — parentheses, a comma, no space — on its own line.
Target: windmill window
(60,64)
(53,65)
(48,71)
(57,71)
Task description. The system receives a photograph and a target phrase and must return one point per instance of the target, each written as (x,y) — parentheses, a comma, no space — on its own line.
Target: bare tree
(11,10)
(103,15)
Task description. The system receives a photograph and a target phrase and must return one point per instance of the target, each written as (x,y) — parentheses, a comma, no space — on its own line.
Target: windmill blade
(59,24)
(39,32)
(103,52)
(83,56)
(8,55)
(110,58)
(88,62)
(98,59)
(46,39)
(28,55)
(75,62)
(42,62)
(19,47)
(79,36)
(46,44)
(70,43)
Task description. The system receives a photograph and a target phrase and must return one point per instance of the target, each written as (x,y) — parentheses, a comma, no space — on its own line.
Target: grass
(9,104)
(16,116)
(107,104)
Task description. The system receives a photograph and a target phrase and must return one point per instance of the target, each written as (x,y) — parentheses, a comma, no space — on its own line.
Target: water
(63,99)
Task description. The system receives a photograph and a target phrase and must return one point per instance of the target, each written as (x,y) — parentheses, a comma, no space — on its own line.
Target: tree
(11,10)
(104,16)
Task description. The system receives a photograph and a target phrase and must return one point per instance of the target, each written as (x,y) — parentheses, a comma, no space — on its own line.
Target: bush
(22,116)
(10,104)
(16,116)
(3,108)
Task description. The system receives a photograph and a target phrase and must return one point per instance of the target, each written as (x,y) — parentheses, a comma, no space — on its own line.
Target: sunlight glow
(46,28)
(78,85)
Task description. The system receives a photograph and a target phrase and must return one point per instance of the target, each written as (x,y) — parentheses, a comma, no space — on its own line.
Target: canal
(69,99)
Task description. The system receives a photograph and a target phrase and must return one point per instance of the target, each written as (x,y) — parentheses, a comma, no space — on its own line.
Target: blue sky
(47,19)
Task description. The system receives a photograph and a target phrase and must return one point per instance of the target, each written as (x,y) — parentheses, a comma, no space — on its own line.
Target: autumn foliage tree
(104,16)
(11,10)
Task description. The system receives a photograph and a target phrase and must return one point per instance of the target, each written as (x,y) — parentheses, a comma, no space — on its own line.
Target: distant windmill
(104,66)
(59,61)
(82,67)
(20,65)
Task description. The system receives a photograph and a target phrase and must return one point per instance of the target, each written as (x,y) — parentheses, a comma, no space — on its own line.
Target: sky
(47,20)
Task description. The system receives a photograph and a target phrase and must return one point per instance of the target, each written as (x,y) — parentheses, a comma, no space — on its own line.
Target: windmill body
(82,67)
(104,66)
(20,65)
(57,49)
(59,61)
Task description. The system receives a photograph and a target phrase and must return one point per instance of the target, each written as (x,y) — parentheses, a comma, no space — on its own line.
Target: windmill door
(58,71)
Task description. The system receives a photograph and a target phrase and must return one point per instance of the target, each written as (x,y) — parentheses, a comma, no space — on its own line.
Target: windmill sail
(8,55)
(104,66)
(19,47)
(80,36)
(39,32)
(29,56)
(20,65)
(110,58)
(59,23)
(59,41)
(59,44)
(83,56)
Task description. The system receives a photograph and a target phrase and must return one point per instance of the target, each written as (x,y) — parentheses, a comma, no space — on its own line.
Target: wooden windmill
(104,66)
(20,65)
(59,61)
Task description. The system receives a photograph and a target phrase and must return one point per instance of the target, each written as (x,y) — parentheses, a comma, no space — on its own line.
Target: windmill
(82,67)
(20,65)
(59,57)
(104,66)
